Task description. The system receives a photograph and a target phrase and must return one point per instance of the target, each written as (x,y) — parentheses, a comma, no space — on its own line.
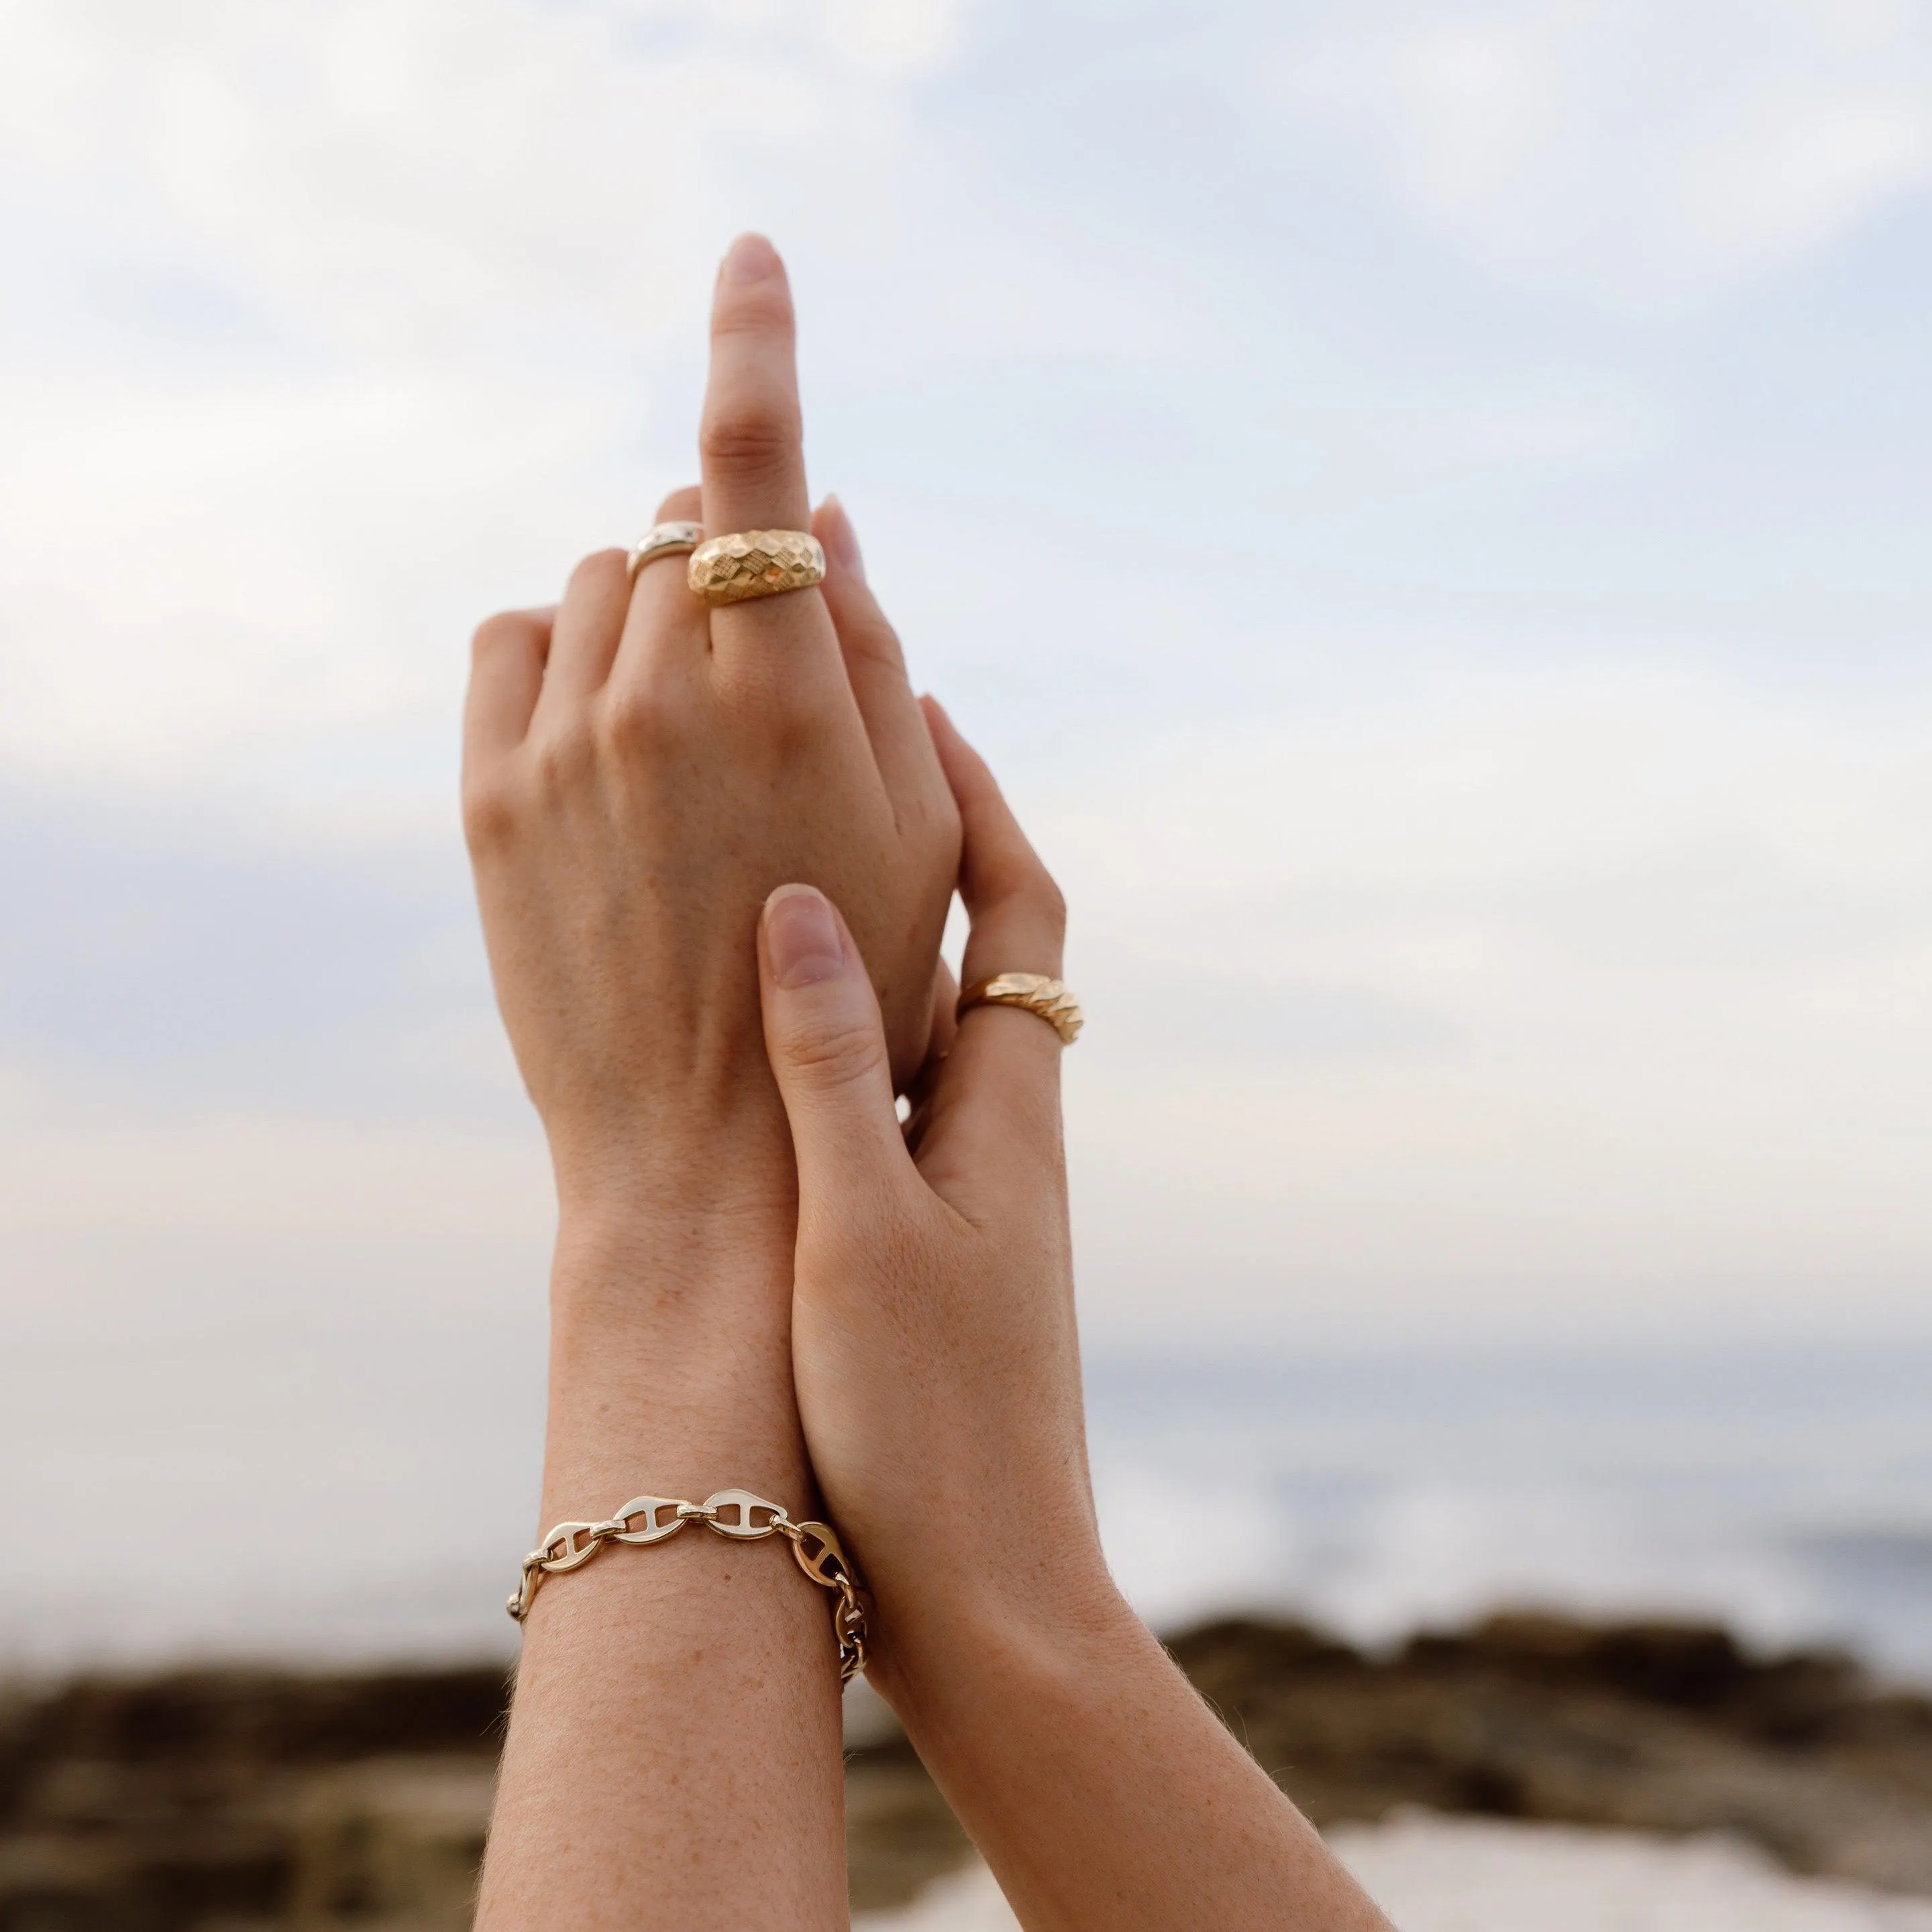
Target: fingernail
(749,259)
(842,540)
(803,937)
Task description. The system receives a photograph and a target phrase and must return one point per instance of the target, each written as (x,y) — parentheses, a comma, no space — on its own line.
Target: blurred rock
(394,1843)
(1657,1725)
(252,1802)
(183,1803)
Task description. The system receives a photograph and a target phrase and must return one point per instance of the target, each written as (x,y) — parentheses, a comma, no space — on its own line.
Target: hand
(641,770)
(937,1375)
(933,1347)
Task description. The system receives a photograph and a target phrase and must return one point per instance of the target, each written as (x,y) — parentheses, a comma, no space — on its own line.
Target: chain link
(571,1545)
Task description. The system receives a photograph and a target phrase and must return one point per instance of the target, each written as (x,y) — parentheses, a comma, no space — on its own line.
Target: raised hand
(640,771)
(938,1382)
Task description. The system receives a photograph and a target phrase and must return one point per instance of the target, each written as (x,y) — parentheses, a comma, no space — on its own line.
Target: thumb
(827,1048)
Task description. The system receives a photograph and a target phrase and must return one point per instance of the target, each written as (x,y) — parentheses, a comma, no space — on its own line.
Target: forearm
(674,1753)
(669,1330)
(1104,1793)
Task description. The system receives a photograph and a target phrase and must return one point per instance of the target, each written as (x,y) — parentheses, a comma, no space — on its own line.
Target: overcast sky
(1425,504)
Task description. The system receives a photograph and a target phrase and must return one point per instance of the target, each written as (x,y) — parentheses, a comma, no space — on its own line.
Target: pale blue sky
(1425,503)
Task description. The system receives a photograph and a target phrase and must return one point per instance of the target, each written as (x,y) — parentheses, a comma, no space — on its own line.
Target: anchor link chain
(736,1513)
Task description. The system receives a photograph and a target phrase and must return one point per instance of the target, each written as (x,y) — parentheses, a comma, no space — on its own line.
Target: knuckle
(762,308)
(634,718)
(593,572)
(875,645)
(1031,890)
(838,1051)
(748,438)
(504,628)
(563,757)
(490,811)
(1049,902)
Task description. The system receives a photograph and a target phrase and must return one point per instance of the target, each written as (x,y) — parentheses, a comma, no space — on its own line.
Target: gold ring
(755,563)
(1046,999)
(663,540)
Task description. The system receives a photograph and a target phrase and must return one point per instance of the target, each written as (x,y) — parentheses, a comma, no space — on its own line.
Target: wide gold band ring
(663,540)
(1046,999)
(755,563)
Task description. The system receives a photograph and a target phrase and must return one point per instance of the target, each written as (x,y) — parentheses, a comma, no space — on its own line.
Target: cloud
(1648,154)
(1588,991)
(1533,960)
(173,962)
(1470,727)
(443,238)
(344,323)
(407,174)
(1600,985)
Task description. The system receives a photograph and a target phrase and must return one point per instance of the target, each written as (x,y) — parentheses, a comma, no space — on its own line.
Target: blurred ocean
(275,1489)
(1785,1491)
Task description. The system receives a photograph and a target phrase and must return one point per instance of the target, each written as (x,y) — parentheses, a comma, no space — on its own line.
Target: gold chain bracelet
(571,1545)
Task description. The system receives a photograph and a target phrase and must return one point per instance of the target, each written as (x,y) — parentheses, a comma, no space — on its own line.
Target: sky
(1424,506)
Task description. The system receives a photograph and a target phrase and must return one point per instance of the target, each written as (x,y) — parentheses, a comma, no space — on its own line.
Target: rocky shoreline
(234,1801)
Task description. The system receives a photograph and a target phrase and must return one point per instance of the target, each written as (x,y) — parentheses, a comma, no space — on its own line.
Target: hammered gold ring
(1046,999)
(663,540)
(755,563)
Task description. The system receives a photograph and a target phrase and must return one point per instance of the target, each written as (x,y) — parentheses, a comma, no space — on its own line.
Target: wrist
(670,1303)
(963,1619)
(992,1648)
(649,1213)
(653,1143)
(670,1365)
(676,1291)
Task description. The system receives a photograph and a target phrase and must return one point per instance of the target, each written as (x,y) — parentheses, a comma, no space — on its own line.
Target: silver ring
(664,540)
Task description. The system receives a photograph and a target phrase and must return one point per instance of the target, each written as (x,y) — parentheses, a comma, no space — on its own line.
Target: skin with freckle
(640,771)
